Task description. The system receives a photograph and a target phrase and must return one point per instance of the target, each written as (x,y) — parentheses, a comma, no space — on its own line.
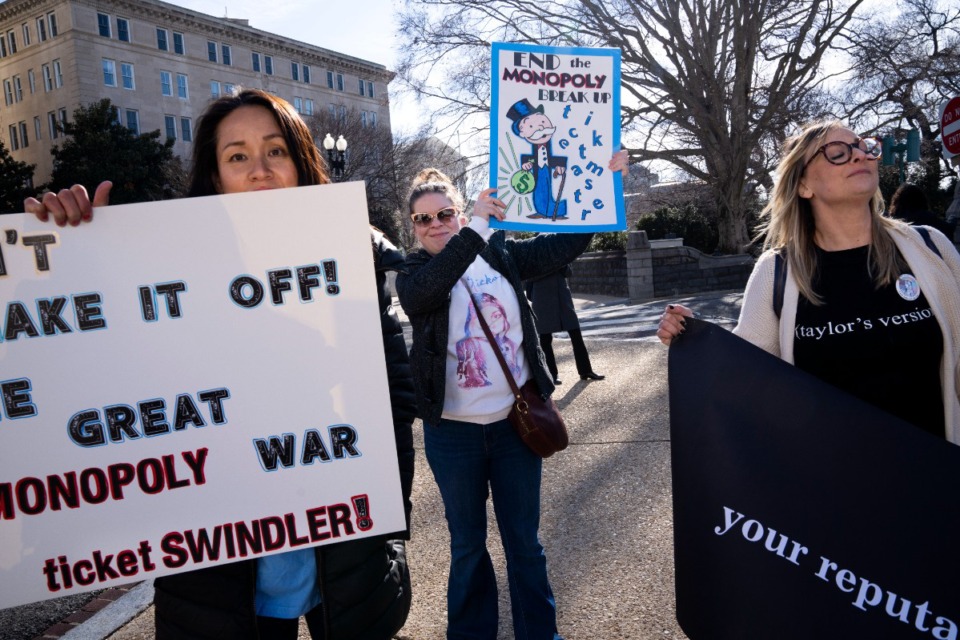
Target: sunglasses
(840,152)
(426,219)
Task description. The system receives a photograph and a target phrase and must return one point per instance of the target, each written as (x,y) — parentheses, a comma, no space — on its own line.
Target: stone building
(160,64)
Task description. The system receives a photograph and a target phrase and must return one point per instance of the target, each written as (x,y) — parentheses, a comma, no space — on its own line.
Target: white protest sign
(554,125)
(186,383)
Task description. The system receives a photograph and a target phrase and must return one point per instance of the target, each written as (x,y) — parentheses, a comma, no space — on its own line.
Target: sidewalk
(606,514)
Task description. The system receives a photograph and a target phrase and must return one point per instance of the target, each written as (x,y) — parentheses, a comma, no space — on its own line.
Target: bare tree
(708,86)
(386,165)
(904,66)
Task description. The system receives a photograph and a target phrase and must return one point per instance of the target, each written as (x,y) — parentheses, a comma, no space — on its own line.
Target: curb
(103,615)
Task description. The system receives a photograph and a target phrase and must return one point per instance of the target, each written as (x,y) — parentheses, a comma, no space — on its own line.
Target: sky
(332,24)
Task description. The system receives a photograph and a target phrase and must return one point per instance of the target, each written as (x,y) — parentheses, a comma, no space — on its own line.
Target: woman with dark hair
(358,589)
(847,264)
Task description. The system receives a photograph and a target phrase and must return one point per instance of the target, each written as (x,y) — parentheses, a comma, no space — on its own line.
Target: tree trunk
(734,235)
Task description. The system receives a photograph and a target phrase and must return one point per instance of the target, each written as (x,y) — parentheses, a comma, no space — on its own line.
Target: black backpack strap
(779,280)
(925,234)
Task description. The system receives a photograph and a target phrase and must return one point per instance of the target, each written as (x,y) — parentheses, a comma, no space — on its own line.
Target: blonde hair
(432,180)
(790,226)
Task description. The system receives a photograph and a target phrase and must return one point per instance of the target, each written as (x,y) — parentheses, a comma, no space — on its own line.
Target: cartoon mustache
(542,133)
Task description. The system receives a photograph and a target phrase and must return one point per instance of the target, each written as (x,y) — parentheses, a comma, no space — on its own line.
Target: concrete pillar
(639,267)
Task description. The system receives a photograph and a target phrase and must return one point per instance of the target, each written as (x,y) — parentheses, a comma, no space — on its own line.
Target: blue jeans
(468,462)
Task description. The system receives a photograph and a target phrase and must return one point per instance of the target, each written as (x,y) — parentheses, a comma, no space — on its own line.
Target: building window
(214,89)
(186,130)
(363,86)
(166,83)
(330,79)
(41,29)
(103,24)
(12,42)
(37,128)
(52,23)
(47,78)
(228,89)
(363,119)
(123,29)
(3,46)
(126,74)
(178,47)
(8,92)
(227,56)
(23,135)
(182,92)
(211,51)
(333,111)
(32,80)
(298,104)
(17,89)
(162,43)
(373,119)
(295,71)
(109,73)
(52,124)
(306,74)
(14,138)
(370,90)
(268,65)
(133,121)
(171,125)
(57,74)
(339,82)
(26,37)
(62,114)
(308,107)
(342,116)
(256,61)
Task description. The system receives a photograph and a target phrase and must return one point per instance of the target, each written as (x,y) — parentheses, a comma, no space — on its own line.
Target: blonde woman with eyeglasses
(464,268)
(868,303)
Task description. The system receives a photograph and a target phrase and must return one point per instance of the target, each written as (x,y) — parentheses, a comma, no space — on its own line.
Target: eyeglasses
(426,219)
(840,152)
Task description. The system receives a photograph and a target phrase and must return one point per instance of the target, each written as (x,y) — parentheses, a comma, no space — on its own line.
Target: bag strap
(779,280)
(493,343)
(925,234)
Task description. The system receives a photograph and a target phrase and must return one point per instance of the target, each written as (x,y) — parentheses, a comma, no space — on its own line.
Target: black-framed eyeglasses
(426,219)
(840,152)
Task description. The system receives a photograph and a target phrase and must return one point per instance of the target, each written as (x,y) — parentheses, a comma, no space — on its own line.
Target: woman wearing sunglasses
(464,397)
(868,304)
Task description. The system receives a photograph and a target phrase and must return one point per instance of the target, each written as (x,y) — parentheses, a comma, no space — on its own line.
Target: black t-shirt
(877,344)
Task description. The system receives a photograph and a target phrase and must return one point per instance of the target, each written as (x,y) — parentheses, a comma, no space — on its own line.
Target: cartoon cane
(556,203)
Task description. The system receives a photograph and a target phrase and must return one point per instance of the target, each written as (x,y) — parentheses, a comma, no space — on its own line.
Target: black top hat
(519,111)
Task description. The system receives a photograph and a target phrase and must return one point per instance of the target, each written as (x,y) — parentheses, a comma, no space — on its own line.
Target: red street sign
(950,126)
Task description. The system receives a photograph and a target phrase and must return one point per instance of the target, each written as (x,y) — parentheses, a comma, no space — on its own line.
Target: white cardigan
(939,280)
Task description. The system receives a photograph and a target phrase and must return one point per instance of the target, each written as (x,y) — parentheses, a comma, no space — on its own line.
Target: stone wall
(601,272)
(657,269)
(683,270)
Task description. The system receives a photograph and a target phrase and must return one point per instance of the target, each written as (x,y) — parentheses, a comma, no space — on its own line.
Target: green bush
(612,241)
(686,222)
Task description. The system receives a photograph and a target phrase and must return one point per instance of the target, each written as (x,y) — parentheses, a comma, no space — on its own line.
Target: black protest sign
(799,511)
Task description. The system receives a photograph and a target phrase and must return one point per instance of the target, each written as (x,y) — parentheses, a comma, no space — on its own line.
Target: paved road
(607,505)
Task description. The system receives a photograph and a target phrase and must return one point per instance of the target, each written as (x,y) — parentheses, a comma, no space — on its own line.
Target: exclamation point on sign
(361,506)
(330,275)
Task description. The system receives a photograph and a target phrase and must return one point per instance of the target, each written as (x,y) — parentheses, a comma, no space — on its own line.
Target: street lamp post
(336,155)
(901,154)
